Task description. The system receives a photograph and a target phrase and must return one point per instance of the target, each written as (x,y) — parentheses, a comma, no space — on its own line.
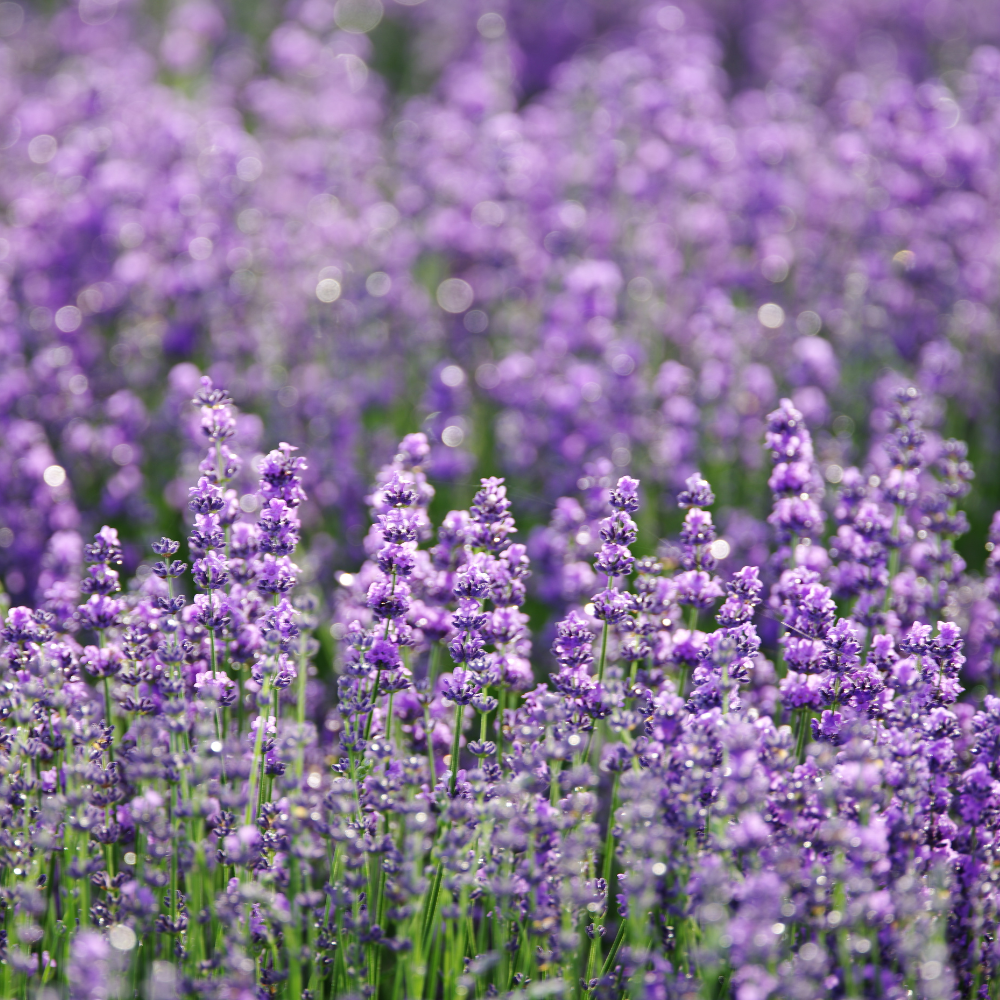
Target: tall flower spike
(619,531)
(280,493)
(906,436)
(615,560)
(101,611)
(904,447)
(795,480)
(696,586)
(490,524)
(218,425)
(399,527)
(486,537)
(573,651)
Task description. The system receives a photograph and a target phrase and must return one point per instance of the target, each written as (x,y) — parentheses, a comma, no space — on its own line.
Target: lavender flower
(219,783)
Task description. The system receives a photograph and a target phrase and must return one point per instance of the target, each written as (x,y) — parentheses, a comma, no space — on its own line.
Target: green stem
(257,756)
(371,714)
(805,716)
(455,748)
(604,653)
(613,954)
(431,766)
(609,837)
(431,911)
(498,724)
(109,717)
(300,706)
(608,866)
(300,710)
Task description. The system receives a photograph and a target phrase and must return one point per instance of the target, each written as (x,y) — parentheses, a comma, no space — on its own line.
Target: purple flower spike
(625,496)
(696,493)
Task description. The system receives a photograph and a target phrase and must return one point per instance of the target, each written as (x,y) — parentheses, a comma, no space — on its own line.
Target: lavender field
(497,500)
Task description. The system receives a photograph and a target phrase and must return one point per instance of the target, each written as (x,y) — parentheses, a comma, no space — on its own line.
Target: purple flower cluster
(773,202)
(576,244)
(815,822)
(684,803)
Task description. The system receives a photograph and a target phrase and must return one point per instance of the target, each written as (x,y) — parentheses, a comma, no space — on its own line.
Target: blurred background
(568,239)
